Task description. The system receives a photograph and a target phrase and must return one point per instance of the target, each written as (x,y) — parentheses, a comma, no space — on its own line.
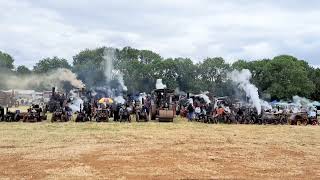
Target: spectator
(190,112)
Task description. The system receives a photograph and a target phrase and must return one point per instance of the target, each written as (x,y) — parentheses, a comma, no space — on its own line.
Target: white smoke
(160,85)
(304,102)
(119,99)
(205,97)
(121,81)
(54,78)
(265,105)
(142,96)
(109,56)
(178,92)
(242,78)
(76,102)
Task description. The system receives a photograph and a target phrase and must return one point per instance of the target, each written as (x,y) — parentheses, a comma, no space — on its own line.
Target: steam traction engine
(162,106)
(60,115)
(35,114)
(102,115)
(56,101)
(142,113)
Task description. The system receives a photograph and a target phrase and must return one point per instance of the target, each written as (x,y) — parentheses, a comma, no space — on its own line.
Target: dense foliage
(279,78)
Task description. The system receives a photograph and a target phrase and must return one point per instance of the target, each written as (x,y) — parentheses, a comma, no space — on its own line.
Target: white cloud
(31,30)
(316,66)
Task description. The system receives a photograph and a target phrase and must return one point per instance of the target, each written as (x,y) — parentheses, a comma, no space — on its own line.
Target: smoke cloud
(111,74)
(119,100)
(242,79)
(75,103)
(114,83)
(55,78)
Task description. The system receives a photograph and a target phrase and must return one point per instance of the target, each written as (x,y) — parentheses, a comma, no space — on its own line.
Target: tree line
(282,77)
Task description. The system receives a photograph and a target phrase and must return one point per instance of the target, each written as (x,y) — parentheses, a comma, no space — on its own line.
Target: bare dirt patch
(179,150)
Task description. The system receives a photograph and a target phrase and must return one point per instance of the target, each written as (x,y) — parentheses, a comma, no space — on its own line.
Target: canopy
(106,100)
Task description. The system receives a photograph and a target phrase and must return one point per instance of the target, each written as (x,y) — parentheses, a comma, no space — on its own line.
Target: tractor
(313,121)
(34,114)
(300,118)
(56,101)
(102,115)
(162,106)
(82,116)
(124,114)
(141,112)
(8,116)
(60,115)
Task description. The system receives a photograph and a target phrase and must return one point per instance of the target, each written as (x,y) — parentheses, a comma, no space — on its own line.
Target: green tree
(23,70)
(186,74)
(49,64)
(88,64)
(141,68)
(314,77)
(213,75)
(288,77)
(6,61)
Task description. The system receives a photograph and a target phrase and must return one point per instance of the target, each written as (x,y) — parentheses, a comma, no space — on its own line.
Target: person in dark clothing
(240,112)
(190,112)
(209,109)
(116,115)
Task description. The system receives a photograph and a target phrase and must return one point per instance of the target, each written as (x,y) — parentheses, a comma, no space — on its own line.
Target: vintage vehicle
(34,114)
(162,105)
(124,114)
(102,115)
(57,100)
(60,115)
(300,118)
(142,114)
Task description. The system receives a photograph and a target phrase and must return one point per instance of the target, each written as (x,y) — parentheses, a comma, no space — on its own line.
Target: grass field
(179,150)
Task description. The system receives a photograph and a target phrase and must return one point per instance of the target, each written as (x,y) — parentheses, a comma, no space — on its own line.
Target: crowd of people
(245,114)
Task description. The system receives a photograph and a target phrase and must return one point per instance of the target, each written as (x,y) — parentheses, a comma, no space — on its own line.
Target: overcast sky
(234,29)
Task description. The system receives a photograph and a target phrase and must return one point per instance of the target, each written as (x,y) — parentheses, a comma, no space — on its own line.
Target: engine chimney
(53,91)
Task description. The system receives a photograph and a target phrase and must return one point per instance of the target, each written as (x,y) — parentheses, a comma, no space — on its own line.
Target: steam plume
(109,57)
(160,85)
(54,78)
(242,78)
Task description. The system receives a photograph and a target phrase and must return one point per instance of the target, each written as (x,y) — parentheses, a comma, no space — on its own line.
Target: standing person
(178,109)
(147,105)
(190,112)
(197,112)
(209,110)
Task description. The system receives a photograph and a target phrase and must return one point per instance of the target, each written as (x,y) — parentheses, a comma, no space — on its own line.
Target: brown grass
(178,150)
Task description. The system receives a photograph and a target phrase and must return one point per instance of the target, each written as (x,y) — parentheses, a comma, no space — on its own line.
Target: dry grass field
(152,150)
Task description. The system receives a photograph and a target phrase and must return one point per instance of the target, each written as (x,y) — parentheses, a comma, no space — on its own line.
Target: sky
(233,29)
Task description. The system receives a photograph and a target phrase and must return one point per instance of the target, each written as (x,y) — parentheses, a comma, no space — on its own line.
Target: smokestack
(142,101)
(80,108)
(7,109)
(53,91)
(188,95)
